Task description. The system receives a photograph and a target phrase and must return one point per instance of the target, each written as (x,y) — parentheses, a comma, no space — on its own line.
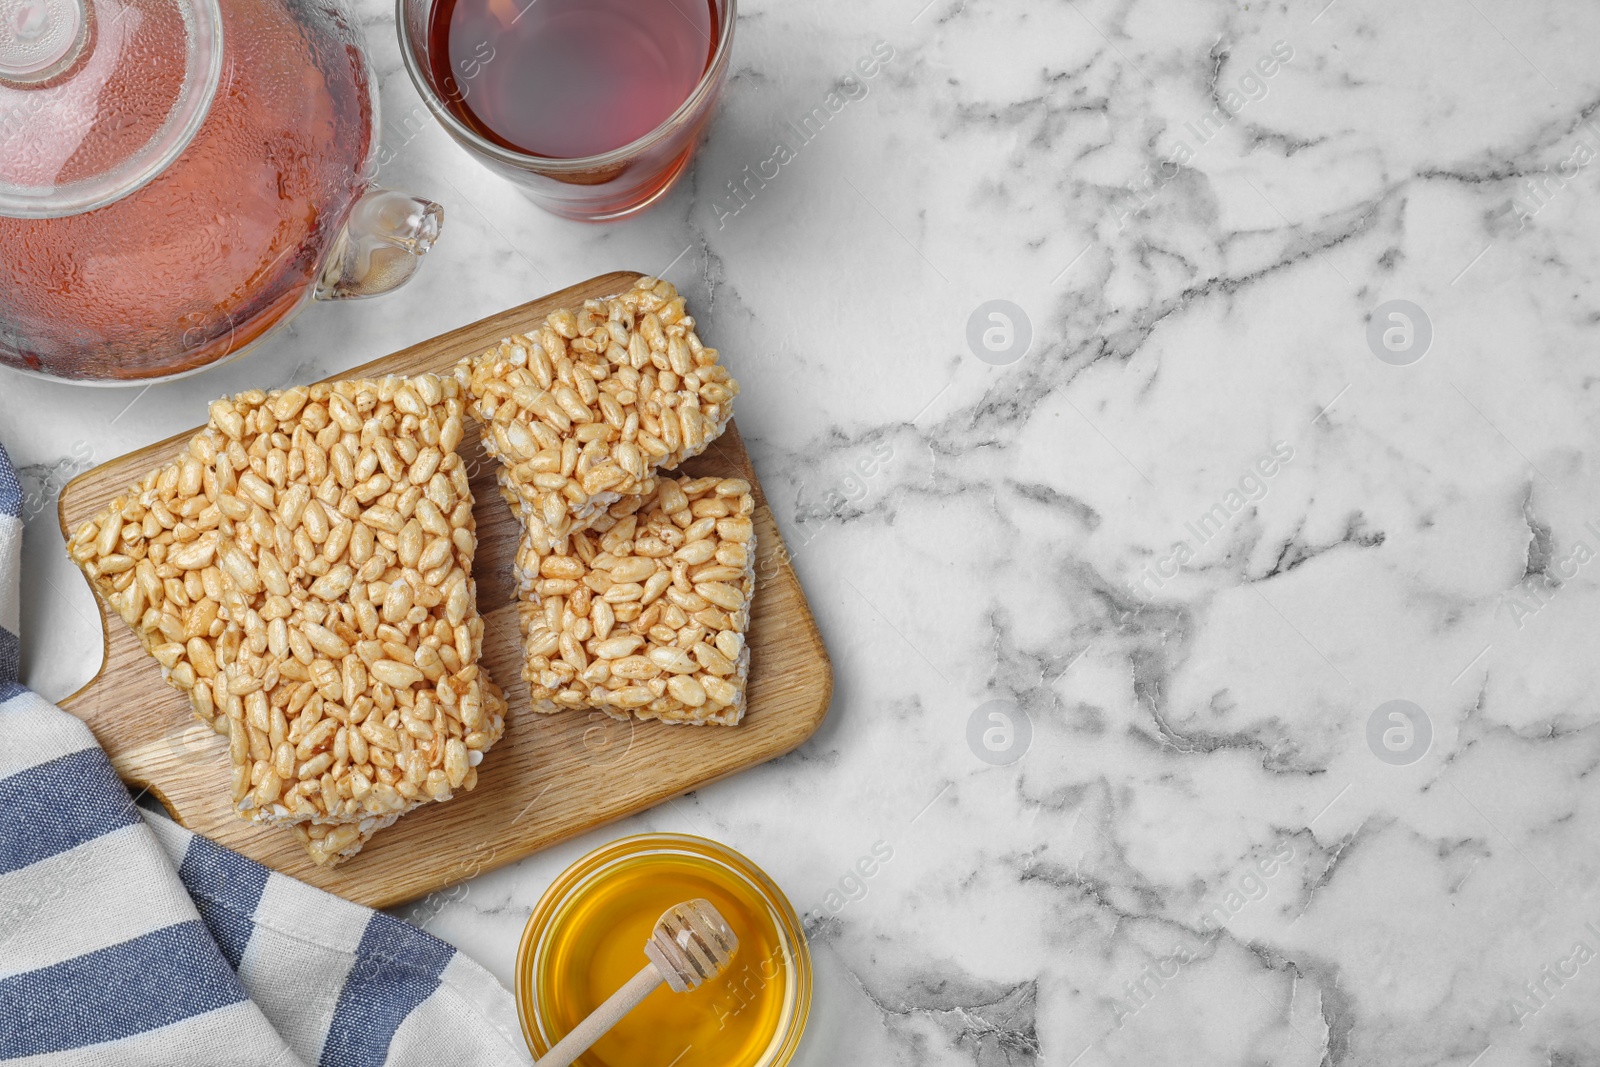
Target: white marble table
(1193,539)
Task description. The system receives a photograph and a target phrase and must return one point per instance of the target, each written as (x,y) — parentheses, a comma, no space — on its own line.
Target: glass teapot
(178,177)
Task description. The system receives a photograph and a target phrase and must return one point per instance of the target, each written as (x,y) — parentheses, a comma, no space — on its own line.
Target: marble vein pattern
(1183,418)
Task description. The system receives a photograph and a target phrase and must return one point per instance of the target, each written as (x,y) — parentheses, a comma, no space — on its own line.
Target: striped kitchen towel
(128,940)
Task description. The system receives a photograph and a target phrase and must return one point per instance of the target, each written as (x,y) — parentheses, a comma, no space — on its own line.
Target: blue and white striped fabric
(131,941)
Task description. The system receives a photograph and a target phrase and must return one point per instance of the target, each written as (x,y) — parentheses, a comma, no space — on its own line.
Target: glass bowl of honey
(586,938)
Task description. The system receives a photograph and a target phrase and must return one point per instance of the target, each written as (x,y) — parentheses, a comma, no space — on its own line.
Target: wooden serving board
(552,776)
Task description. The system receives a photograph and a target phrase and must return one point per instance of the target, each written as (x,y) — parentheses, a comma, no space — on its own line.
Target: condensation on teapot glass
(41,39)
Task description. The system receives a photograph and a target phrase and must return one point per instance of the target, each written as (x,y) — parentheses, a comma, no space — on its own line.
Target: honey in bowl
(585,940)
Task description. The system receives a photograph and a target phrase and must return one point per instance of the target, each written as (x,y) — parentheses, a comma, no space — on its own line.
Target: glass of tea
(592,106)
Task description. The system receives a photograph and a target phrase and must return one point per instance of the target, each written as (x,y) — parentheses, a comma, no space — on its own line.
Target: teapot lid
(97,97)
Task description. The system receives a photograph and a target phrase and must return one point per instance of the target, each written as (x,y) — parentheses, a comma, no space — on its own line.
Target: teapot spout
(383,240)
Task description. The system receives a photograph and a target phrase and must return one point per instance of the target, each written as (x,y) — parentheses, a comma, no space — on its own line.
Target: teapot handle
(378,249)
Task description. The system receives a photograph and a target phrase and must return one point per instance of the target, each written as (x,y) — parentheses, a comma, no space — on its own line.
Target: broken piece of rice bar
(345,544)
(647,612)
(585,410)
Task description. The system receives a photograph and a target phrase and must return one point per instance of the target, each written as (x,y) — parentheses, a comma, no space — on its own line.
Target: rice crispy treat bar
(647,612)
(155,555)
(584,411)
(174,608)
(345,544)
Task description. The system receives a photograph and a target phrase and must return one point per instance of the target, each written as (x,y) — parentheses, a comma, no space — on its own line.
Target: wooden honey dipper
(691,944)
